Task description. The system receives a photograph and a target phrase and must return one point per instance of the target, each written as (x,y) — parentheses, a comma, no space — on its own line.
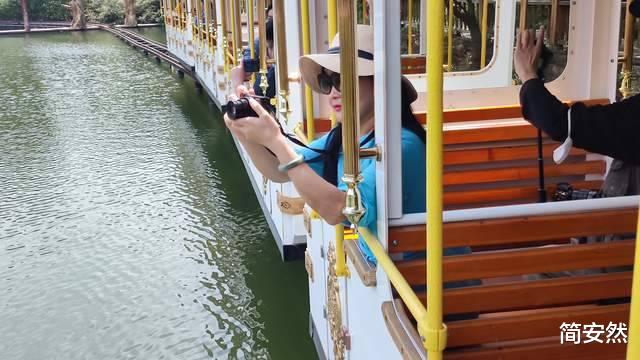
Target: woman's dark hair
(269,32)
(334,139)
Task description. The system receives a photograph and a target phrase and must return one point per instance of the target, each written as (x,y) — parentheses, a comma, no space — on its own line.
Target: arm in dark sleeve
(612,130)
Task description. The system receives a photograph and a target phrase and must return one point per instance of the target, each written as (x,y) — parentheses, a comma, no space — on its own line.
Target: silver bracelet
(291,164)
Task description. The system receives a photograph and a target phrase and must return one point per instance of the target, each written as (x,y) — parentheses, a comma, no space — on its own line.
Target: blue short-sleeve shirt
(413,181)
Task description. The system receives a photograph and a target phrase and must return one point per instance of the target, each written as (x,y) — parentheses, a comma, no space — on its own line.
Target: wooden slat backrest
(521,194)
(500,153)
(547,350)
(523,295)
(493,264)
(523,172)
(530,325)
(517,230)
(468,114)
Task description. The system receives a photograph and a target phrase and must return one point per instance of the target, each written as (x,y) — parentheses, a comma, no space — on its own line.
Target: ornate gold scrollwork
(290,205)
(334,307)
(308,264)
(307,221)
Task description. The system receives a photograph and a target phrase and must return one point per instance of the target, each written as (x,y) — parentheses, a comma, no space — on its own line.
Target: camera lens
(239,109)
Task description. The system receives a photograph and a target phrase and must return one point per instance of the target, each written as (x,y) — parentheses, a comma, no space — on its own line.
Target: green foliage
(101,11)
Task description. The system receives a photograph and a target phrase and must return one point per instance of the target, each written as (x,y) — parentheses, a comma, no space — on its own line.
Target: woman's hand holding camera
(262,130)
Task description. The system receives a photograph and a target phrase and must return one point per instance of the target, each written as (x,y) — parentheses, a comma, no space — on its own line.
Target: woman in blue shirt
(317,171)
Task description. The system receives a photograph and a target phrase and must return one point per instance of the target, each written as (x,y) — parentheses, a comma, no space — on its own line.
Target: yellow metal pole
(225,40)
(237,32)
(264,84)
(408,296)
(251,29)
(553,22)
(435,332)
(450,38)
(485,17)
(332,26)
(353,209)
(410,28)
(306,48)
(283,67)
(523,15)
(332,19)
(627,66)
(633,347)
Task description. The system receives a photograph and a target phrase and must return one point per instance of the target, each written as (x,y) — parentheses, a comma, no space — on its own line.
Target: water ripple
(119,238)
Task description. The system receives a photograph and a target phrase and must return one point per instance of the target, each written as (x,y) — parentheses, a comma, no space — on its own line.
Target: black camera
(565,192)
(241,108)
(251,65)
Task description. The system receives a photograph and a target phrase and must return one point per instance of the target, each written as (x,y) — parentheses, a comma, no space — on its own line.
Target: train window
(463,20)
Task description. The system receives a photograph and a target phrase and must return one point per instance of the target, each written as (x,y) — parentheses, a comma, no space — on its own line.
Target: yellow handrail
(415,306)
(633,347)
(485,16)
(435,332)
(306,48)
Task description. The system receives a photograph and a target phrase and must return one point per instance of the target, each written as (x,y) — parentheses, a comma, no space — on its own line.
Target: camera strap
(296,141)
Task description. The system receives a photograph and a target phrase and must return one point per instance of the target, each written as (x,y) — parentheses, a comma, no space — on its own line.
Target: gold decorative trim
(290,205)
(307,221)
(334,307)
(308,264)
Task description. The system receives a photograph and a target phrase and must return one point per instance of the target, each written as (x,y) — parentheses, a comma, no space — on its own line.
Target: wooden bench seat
(520,318)
(491,158)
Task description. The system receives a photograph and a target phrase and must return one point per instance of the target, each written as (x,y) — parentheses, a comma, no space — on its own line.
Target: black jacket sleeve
(612,130)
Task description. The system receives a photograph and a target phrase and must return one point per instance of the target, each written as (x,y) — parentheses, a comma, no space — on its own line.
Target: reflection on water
(155,33)
(128,227)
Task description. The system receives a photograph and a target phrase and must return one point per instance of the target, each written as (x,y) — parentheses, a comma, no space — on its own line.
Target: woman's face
(366,101)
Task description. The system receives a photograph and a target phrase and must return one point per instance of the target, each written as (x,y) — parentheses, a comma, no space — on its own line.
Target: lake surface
(128,226)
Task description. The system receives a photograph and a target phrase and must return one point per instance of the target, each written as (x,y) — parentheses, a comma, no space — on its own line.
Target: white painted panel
(318,288)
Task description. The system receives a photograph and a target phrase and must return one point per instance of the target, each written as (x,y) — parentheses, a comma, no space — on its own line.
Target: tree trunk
(77,11)
(130,18)
(465,11)
(25,15)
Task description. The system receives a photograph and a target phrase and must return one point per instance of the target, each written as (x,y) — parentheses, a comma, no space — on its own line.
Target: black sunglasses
(328,81)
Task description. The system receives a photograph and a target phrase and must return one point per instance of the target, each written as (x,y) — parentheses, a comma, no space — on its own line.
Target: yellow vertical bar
(523,15)
(306,48)
(553,23)
(435,333)
(195,27)
(485,17)
(225,40)
(450,38)
(207,21)
(633,347)
(410,28)
(251,29)
(332,26)
(237,32)
(281,51)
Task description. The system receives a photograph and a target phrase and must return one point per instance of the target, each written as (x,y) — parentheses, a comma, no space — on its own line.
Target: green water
(155,33)
(128,226)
